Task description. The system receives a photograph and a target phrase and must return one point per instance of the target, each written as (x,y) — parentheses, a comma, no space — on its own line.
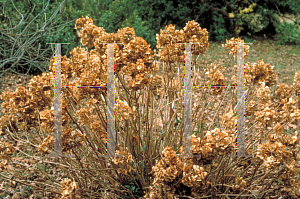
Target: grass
(286,58)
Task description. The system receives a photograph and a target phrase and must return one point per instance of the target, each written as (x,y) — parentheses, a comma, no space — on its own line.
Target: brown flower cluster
(135,67)
(263,93)
(229,120)
(240,183)
(156,85)
(8,122)
(297,83)
(232,46)
(47,119)
(283,91)
(288,110)
(288,113)
(297,87)
(260,72)
(170,171)
(21,107)
(69,189)
(98,130)
(89,32)
(281,149)
(215,142)
(133,57)
(215,73)
(254,73)
(169,39)
(192,178)
(290,185)
(251,108)
(124,110)
(6,150)
(124,163)
(266,116)
(84,115)
(281,108)
(17,102)
(70,140)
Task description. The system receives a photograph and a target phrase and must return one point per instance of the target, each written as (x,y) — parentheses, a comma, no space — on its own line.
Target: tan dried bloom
(6,150)
(69,189)
(124,110)
(47,144)
(260,72)
(240,183)
(296,116)
(70,139)
(229,120)
(124,162)
(170,38)
(283,91)
(214,72)
(297,87)
(251,108)
(195,34)
(8,122)
(287,108)
(192,175)
(231,44)
(263,93)
(266,117)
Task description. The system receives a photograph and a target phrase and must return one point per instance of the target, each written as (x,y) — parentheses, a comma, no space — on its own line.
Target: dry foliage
(145,106)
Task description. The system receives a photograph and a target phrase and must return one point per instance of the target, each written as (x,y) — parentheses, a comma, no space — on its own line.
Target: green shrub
(287,34)
(218,28)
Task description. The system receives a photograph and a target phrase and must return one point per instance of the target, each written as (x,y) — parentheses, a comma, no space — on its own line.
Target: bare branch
(25,48)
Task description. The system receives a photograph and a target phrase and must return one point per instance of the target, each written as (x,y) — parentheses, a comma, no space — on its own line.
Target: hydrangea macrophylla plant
(149,162)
